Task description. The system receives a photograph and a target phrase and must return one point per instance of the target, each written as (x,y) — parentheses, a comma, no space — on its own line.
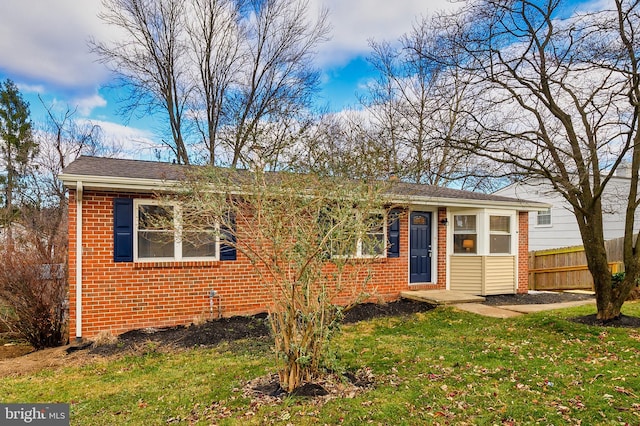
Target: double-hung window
(500,234)
(160,235)
(543,218)
(374,241)
(465,234)
(369,241)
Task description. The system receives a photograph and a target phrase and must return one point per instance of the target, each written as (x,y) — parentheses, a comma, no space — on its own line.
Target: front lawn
(438,367)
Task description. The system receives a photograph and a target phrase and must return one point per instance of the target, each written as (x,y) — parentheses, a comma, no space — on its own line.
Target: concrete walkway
(487,311)
(471,303)
(509,311)
(441,297)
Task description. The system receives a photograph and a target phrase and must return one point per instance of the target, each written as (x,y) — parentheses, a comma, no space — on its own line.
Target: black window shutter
(228,251)
(123,230)
(393,234)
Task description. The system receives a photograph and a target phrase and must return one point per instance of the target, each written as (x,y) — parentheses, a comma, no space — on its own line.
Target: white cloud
(354,22)
(126,141)
(87,104)
(30,88)
(46,42)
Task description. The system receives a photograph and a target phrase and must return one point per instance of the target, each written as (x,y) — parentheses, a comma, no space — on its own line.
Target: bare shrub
(311,240)
(33,293)
(105,337)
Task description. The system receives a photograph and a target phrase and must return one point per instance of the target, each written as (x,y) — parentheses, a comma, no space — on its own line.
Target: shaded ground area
(621,321)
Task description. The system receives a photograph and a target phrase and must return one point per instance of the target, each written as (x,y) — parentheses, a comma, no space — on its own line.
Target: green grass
(440,367)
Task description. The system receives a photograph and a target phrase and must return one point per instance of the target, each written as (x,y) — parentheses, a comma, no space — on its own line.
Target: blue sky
(44,50)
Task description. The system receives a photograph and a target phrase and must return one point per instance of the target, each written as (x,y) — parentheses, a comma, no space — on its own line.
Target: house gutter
(79,189)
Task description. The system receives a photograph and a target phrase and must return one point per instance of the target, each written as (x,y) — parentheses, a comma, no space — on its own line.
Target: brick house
(448,239)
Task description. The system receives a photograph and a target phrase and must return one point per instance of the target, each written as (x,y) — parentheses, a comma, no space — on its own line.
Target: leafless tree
(238,70)
(415,110)
(61,139)
(150,59)
(344,145)
(216,32)
(278,79)
(557,97)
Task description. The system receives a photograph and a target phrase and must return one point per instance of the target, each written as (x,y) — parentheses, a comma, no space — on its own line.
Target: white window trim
(513,228)
(549,225)
(177,237)
(477,232)
(510,234)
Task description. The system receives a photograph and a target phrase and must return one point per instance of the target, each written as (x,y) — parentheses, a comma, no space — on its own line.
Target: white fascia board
(529,206)
(119,183)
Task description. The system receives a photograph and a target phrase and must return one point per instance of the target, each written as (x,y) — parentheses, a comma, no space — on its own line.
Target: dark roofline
(110,173)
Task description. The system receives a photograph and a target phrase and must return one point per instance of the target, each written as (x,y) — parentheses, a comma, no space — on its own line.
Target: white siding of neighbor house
(563,231)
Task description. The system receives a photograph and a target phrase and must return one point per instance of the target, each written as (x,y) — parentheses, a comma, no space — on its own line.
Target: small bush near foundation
(32,298)
(104,338)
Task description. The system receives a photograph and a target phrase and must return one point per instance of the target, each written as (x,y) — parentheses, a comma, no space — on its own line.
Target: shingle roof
(118,169)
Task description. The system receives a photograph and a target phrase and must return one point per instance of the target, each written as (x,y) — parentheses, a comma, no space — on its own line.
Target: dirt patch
(208,334)
(39,360)
(229,329)
(14,350)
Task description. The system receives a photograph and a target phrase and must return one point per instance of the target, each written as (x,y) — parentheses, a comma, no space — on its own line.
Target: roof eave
(118,183)
(470,203)
(155,185)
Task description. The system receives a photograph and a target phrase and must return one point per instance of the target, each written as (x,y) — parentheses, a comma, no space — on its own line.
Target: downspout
(78,261)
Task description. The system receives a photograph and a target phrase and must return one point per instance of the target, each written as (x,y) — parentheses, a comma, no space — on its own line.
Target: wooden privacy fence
(566,268)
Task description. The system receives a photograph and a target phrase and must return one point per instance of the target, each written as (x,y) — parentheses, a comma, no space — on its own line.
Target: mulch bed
(623,321)
(257,327)
(535,298)
(240,327)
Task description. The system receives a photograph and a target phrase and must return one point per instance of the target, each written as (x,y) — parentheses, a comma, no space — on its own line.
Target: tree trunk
(609,300)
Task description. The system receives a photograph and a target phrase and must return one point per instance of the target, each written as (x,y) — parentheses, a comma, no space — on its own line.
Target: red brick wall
(125,295)
(523,252)
(442,249)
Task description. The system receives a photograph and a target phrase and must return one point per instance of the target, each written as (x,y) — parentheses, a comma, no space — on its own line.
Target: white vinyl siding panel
(563,231)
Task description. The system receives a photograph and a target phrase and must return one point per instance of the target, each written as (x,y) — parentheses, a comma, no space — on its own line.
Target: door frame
(434,245)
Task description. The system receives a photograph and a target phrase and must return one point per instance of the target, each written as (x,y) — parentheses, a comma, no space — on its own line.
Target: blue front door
(420,252)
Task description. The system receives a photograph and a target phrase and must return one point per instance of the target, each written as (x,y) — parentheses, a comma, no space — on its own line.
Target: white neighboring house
(557,226)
